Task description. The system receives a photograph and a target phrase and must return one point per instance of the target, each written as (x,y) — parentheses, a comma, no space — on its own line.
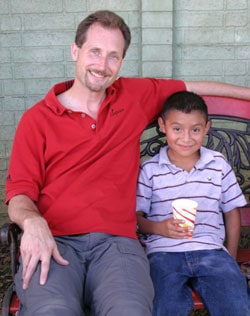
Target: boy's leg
(170,276)
(62,293)
(221,284)
(118,281)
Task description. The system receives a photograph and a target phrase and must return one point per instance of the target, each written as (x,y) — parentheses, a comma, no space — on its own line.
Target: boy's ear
(161,124)
(208,127)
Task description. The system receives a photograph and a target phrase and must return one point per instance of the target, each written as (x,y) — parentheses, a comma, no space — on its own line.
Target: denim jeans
(214,274)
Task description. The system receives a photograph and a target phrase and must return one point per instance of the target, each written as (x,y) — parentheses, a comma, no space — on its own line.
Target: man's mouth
(98,74)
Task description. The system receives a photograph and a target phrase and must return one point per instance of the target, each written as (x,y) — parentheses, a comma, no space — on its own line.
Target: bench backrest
(229,134)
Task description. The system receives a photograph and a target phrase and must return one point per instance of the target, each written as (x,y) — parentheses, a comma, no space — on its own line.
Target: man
(72,180)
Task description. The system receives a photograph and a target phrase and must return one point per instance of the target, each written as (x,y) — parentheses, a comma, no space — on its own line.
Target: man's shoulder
(49,101)
(144,82)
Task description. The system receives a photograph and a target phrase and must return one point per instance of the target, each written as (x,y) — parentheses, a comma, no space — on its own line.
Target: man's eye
(95,52)
(114,57)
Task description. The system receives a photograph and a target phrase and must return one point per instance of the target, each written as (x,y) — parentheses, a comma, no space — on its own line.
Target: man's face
(99,59)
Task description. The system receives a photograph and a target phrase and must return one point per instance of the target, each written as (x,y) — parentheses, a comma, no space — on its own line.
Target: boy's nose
(186,135)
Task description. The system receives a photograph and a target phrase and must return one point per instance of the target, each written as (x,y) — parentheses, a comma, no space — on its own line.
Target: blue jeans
(109,274)
(214,275)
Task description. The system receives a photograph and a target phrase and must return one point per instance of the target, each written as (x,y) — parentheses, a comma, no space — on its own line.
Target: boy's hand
(172,228)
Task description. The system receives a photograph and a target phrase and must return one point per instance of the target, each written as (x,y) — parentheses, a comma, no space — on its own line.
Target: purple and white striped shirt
(212,183)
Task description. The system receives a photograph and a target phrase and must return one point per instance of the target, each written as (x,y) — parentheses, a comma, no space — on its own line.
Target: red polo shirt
(80,172)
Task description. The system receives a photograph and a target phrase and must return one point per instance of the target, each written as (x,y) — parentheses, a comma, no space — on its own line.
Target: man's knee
(53,308)
(126,308)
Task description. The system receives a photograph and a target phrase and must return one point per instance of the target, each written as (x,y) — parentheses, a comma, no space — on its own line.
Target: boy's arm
(232,225)
(166,228)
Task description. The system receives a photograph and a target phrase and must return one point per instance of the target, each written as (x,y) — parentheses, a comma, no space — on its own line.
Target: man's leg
(118,281)
(62,293)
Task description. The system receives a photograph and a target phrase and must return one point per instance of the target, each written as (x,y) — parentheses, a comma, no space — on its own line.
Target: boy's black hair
(185,102)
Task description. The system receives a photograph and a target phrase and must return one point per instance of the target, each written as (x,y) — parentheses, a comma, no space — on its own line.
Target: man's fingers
(30,263)
(28,270)
(58,258)
(45,265)
(26,260)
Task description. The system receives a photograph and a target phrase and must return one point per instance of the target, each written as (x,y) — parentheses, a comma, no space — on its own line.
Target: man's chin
(94,86)
(98,87)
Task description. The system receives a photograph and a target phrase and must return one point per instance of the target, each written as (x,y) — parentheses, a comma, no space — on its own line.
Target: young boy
(180,259)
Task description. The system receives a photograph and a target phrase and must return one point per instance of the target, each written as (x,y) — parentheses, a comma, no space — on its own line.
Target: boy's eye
(196,130)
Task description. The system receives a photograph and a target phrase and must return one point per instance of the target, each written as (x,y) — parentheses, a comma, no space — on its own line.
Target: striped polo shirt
(211,183)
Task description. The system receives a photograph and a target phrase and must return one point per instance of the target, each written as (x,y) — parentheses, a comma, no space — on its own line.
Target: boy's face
(184,133)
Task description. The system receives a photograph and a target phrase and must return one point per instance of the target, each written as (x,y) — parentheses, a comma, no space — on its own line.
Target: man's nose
(102,62)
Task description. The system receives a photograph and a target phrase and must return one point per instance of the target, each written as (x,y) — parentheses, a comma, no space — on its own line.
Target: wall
(212,40)
(188,39)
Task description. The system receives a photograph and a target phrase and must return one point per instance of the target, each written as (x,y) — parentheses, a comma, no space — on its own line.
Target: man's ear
(161,125)
(74,51)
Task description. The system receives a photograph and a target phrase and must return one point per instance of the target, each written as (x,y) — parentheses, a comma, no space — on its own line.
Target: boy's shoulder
(214,159)
(156,158)
(207,156)
(210,154)
(150,160)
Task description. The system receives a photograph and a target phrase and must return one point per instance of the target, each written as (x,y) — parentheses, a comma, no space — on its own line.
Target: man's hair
(185,102)
(107,19)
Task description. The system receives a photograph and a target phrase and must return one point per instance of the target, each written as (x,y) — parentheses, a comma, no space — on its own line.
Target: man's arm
(37,242)
(218,89)
(167,228)
(232,225)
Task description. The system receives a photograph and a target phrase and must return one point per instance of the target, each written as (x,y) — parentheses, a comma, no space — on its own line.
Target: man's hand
(38,244)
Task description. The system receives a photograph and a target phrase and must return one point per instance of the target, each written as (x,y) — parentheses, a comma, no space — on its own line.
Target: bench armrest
(9,236)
